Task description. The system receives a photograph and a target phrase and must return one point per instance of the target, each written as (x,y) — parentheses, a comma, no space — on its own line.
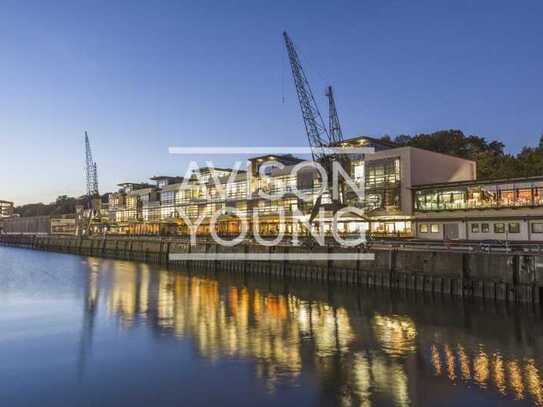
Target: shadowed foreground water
(89,331)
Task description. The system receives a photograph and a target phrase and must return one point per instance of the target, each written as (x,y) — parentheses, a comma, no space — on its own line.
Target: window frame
(510,229)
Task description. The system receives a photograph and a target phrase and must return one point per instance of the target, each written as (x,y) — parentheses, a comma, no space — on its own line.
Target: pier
(511,275)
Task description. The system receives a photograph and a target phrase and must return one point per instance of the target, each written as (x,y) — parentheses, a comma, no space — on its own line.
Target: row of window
(476,197)
(433,228)
(512,227)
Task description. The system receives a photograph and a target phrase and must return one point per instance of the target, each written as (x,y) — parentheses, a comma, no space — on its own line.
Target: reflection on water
(360,355)
(355,348)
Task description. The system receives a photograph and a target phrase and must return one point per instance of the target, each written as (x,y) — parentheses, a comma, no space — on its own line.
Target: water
(88,331)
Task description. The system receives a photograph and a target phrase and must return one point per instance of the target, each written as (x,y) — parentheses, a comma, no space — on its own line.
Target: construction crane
(334,128)
(317,133)
(92,201)
(90,171)
(318,136)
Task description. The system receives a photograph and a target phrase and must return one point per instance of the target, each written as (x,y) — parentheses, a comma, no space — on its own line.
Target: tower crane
(336,135)
(91,171)
(318,136)
(93,196)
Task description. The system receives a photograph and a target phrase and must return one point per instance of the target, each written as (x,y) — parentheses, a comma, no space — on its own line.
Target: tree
(492,161)
(63,205)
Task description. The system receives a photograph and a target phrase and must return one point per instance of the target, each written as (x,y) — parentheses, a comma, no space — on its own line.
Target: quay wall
(514,277)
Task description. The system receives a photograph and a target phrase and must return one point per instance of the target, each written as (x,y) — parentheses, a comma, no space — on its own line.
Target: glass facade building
(382,185)
(522,193)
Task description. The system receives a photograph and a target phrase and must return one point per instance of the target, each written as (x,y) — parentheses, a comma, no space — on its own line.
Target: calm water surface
(88,331)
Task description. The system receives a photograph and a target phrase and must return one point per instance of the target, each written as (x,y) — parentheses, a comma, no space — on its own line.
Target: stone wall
(511,277)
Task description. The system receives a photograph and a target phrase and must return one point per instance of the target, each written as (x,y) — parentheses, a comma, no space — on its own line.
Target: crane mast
(334,128)
(314,124)
(90,212)
(319,137)
(91,171)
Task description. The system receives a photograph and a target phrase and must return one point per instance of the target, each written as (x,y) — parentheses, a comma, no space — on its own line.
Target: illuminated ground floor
(269,225)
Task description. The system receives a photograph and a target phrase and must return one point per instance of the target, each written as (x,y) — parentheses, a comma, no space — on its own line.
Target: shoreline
(510,277)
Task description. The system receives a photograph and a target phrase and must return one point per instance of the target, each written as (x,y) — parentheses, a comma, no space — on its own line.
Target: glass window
(499,228)
(538,196)
(423,228)
(537,227)
(474,228)
(435,228)
(485,228)
(382,184)
(524,197)
(514,227)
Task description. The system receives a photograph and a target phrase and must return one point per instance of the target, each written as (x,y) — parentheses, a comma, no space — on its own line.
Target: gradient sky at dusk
(141,76)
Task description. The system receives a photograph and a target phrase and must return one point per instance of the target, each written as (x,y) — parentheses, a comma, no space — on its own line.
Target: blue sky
(141,76)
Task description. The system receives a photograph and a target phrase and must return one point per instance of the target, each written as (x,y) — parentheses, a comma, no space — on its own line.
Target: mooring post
(465,280)
(329,264)
(392,267)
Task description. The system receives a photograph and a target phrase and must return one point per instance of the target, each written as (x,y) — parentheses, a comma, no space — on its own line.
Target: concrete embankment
(512,277)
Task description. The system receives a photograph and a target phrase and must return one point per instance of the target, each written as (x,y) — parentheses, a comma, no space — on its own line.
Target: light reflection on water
(337,344)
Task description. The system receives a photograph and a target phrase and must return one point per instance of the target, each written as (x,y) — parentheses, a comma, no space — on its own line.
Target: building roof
(166,178)
(368,140)
(210,169)
(134,185)
(538,178)
(284,158)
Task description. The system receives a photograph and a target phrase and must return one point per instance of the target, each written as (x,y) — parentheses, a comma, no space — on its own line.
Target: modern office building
(276,194)
(403,192)
(389,177)
(510,209)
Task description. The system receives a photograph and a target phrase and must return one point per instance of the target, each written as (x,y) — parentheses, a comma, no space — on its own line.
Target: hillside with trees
(492,160)
(62,206)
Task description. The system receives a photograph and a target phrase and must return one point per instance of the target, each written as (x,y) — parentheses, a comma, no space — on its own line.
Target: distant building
(6,209)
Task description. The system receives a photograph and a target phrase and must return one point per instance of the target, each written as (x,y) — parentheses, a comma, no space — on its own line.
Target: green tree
(492,161)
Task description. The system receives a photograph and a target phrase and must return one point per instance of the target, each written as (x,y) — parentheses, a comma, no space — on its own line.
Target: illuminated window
(514,227)
(474,228)
(435,228)
(382,184)
(359,172)
(524,197)
(485,228)
(423,228)
(499,228)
